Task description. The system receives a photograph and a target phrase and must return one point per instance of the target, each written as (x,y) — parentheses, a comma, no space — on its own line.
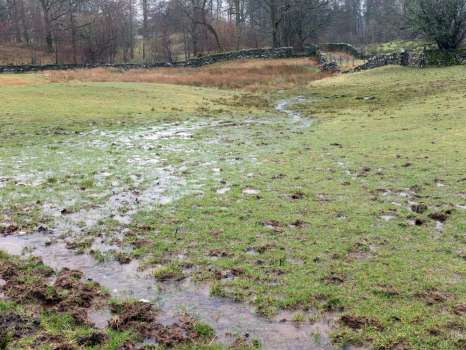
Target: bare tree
(110,30)
(52,10)
(197,12)
(303,21)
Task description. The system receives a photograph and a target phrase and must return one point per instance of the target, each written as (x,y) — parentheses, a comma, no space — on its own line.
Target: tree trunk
(185,45)
(73,33)
(24,27)
(57,61)
(275,23)
(144,29)
(48,33)
(194,38)
(16,21)
(213,32)
(47,26)
(238,23)
(131,30)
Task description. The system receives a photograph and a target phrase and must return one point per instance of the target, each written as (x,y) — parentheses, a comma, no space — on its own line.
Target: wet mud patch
(297,195)
(434,296)
(57,297)
(8,228)
(273,225)
(172,299)
(31,282)
(14,326)
(298,224)
(155,169)
(94,339)
(358,322)
(143,318)
(34,293)
(460,309)
(419,208)
(54,341)
(441,216)
(334,278)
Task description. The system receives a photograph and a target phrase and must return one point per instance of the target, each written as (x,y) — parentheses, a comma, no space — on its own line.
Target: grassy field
(31,101)
(359,215)
(251,75)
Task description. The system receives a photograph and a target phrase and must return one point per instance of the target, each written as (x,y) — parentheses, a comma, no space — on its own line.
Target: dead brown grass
(252,75)
(9,80)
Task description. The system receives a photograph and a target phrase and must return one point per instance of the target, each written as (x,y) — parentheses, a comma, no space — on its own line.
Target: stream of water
(229,319)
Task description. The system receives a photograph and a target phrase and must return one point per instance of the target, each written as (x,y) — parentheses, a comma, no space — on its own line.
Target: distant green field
(361,214)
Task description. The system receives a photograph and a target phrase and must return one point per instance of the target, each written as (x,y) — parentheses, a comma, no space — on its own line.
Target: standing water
(229,319)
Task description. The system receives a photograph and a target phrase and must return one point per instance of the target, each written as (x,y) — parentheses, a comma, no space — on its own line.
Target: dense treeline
(85,31)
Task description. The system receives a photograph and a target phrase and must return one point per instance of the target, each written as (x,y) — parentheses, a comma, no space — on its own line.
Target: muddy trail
(154,182)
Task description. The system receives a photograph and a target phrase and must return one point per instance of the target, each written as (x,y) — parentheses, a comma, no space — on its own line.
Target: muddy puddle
(229,319)
(154,182)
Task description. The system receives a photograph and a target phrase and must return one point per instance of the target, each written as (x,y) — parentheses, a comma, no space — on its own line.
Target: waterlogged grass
(72,146)
(30,321)
(24,322)
(361,214)
(33,105)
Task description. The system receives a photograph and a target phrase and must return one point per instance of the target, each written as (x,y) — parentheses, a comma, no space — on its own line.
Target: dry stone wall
(398,58)
(415,59)
(326,64)
(282,52)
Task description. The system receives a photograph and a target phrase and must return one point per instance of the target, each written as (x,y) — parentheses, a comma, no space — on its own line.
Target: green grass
(314,236)
(173,271)
(32,105)
(396,46)
(408,137)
